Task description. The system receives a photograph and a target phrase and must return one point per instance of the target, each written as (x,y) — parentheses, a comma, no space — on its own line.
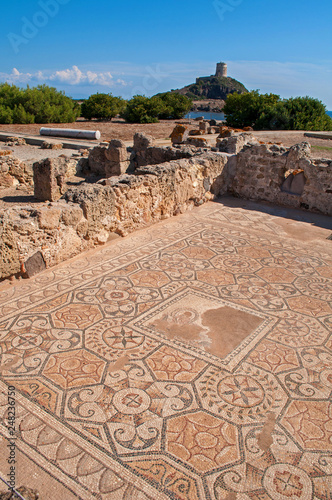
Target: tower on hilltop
(221,69)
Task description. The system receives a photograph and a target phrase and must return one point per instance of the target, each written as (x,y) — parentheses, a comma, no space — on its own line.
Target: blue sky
(145,46)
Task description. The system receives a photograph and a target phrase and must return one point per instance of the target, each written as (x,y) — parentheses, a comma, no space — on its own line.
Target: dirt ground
(320,148)
(118,129)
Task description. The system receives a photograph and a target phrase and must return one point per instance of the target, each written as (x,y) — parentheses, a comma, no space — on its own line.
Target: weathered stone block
(235,144)
(294,183)
(118,158)
(18,169)
(117,151)
(225,132)
(49,178)
(179,134)
(7,181)
(49,217)
(204,127)
(34,264)
(9,253)
(71,214)
(297,153)
(142,141)
(16,141)
(199,142)
(51,145)
(97,160)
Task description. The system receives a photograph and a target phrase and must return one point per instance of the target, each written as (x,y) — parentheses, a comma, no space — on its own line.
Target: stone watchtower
(221,69)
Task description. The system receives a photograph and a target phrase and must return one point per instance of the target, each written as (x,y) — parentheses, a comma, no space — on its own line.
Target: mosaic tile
(190,361)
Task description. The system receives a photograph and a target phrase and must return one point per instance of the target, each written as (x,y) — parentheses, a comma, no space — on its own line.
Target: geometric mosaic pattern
(191,360)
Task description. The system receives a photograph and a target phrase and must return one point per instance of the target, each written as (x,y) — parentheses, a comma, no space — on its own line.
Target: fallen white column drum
(67,132)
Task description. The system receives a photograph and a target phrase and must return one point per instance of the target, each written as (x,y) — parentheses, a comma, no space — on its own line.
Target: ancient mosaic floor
(191,360)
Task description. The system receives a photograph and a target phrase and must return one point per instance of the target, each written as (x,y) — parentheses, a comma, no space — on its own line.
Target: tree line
(40,104)
(271,112)
(43,104)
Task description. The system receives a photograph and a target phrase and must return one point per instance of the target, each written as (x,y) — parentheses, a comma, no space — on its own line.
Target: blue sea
(206,116)
(216,116)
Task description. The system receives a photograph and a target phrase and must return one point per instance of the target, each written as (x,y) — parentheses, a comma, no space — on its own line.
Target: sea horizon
(216,116)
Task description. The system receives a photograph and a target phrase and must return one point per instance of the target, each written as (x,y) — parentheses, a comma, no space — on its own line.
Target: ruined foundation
(129,188)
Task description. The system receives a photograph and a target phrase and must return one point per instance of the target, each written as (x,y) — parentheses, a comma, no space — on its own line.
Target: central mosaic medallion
(201,321)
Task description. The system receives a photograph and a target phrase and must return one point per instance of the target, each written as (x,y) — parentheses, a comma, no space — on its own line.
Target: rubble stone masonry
(145,184)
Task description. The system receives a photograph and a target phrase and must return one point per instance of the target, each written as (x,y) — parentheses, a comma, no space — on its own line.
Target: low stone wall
(125,203)
(50,176)
(116,158)
(37,237)
(14,172)
(90,213)
(56,231)
(259,173)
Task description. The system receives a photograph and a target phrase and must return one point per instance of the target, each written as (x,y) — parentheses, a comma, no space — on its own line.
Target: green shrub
(176,105)
(6,114)
(243,110)
(142,109)
(270,112)
(48,105)
(41,104)
(102,107)
(307,113)
(21,116)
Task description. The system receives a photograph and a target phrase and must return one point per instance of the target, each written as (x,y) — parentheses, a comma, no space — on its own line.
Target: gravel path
(35,153)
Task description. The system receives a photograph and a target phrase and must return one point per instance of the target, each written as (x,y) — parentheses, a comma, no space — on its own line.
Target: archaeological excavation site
(166,317)
(111,190)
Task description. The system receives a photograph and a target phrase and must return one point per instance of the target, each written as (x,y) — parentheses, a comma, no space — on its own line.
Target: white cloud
(73,76)
(126,78)
(69,76)
(16,77)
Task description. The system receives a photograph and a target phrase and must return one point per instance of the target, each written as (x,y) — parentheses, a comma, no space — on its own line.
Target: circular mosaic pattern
(131,401)
(326,378)
(284,481)
(320,288)
(120,337)
(108,296)
(235,264)
(297,330)
(251,393)
(26,340)
(87,296)
(292,327)
(241,391)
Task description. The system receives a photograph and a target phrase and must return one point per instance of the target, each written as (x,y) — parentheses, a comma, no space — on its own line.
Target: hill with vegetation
(212,87)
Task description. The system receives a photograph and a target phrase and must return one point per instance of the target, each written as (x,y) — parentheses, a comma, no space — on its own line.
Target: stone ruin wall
(135,187)
(282,176)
